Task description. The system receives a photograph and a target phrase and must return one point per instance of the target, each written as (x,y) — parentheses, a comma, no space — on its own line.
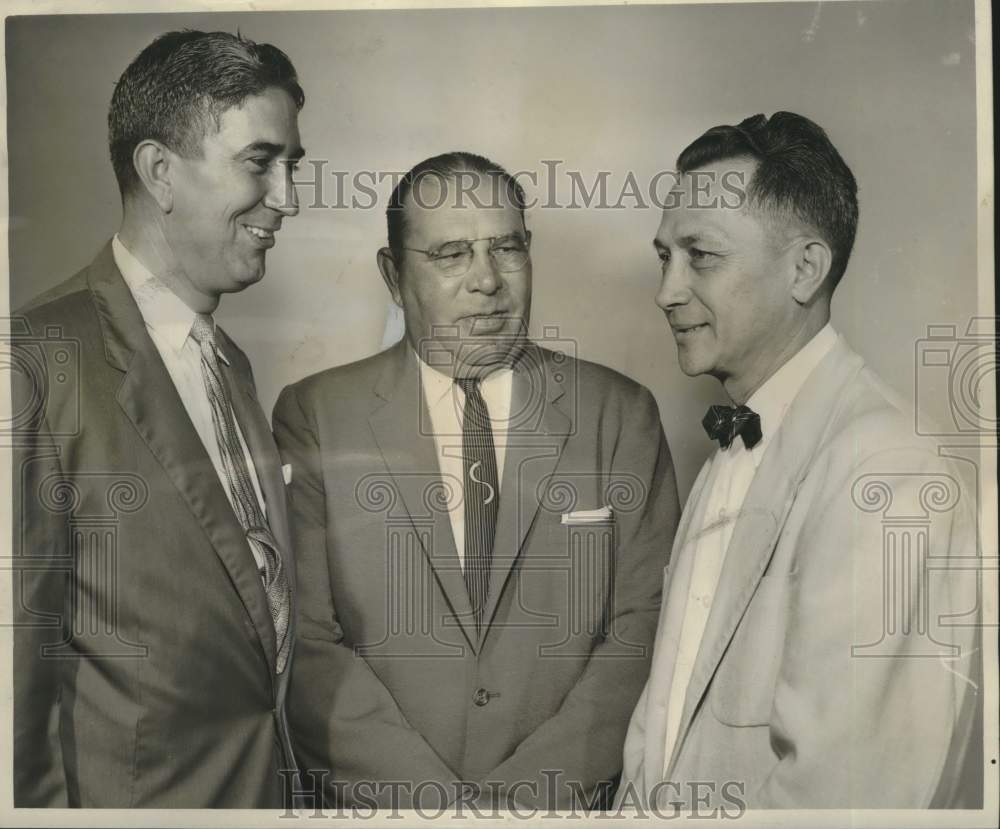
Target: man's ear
(812,265)
(390,274)
(152,164)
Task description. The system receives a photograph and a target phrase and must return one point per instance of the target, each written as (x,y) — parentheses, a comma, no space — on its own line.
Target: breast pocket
(742,692)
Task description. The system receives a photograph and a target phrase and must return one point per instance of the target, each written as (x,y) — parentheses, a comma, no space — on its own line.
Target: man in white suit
(802,658)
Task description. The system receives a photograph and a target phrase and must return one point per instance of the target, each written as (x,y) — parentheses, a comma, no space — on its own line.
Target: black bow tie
(724,423)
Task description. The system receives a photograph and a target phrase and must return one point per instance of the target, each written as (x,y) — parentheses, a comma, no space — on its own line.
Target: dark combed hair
(179,82)
(446,165)
(799,173)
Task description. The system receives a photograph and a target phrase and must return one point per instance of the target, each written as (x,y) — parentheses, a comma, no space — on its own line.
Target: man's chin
(242,281)
(484,352)
(691,364)
(481,354)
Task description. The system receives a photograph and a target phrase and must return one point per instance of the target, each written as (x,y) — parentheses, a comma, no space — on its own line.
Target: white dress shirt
(168,321)
(446,406)
(730,472)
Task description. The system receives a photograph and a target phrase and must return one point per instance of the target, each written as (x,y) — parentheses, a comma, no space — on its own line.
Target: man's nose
(674,286)
(281,194)
(483,275)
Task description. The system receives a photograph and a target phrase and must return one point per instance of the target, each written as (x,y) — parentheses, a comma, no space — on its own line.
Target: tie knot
(469,385)
(724,423)
(203,329)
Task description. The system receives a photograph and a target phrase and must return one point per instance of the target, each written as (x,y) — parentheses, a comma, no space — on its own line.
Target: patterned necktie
(482,495)
(244,498)
(724,423)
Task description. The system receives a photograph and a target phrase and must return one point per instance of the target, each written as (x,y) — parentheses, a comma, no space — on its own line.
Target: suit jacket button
(481,697)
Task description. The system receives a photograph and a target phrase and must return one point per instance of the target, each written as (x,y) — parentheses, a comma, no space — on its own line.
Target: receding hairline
(452,177)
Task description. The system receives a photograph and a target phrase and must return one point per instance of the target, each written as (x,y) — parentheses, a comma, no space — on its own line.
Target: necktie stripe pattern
(724,423)
(481,495)
(244,498)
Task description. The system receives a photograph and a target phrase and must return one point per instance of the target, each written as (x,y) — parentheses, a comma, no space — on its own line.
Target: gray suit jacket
(392,681)
(144,659)
(828,675)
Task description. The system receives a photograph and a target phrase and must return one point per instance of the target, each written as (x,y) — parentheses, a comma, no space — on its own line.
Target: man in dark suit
(153,575)
(481,524)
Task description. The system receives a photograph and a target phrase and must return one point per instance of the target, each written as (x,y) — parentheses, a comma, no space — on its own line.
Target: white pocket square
(588,516)
(286,473)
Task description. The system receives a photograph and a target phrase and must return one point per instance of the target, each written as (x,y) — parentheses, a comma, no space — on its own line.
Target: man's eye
(663,255)
(260,162)
(700,255)
(448,255)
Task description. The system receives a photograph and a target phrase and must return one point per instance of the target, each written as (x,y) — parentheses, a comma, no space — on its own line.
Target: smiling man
(154,575)
(804,657)
(481,525)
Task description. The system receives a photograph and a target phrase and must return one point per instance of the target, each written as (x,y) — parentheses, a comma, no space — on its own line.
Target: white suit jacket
(827,677)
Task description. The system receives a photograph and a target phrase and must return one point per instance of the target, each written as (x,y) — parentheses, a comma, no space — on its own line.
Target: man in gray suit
(154,581)
(481,525)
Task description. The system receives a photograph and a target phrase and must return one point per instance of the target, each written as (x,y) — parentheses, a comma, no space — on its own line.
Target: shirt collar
(437,385)
(162,310)
(772,399)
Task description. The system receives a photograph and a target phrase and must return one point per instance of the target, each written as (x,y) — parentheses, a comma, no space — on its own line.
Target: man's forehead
(460,207)
(267,121)
(681,225)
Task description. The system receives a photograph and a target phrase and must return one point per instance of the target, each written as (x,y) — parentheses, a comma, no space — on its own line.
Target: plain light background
(621,89)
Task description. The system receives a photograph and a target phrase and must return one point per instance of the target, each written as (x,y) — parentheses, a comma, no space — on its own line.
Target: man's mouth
(262,235)
(683,331)
(487,323)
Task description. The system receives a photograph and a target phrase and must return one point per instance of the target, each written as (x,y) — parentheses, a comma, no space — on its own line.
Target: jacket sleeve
(874,682)
(348,730)
(41,571)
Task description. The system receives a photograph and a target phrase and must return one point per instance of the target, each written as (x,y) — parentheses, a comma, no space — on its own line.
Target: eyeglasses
(509,253)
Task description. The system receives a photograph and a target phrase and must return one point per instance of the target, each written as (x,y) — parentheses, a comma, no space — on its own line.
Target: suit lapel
(763,514)
(149,399)
(410,455)
(537,433)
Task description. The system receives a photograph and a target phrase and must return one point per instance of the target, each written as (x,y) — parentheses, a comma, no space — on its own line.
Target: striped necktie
(243,496)
(482,495)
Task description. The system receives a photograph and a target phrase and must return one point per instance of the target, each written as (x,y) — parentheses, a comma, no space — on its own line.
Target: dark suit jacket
(392,681)
(144,658)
